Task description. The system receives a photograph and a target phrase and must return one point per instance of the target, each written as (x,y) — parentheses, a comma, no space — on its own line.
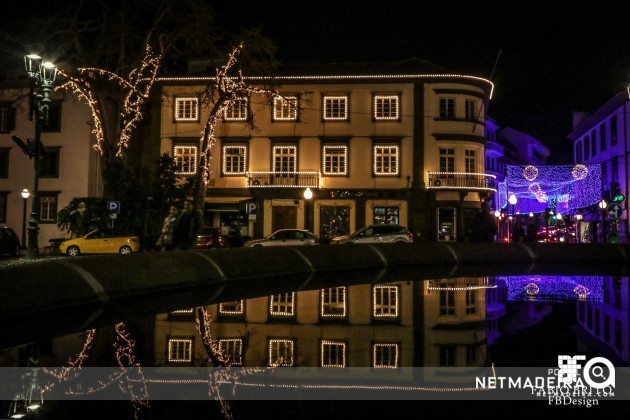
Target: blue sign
(113,207)
(614,211)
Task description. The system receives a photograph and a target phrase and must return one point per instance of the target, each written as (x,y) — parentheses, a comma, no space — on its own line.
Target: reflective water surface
(329,352)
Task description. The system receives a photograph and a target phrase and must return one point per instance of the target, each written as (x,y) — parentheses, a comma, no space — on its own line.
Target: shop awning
(225,204)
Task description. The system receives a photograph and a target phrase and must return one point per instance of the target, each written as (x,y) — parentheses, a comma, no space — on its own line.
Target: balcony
(299,179)
(460,181)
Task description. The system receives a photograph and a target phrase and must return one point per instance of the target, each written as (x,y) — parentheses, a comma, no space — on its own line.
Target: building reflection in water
(445,323)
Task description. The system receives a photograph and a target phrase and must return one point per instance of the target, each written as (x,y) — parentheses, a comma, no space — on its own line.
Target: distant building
(604,137)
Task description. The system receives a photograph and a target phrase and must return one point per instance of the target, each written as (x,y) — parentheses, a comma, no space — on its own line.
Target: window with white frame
(333,302)
(284,159)
(282,304)
(469,161)
(285,108)
(185,157)
(47,207)
(232,349)
(470,109)
(335,159)
(386,107)
(234,307)
(336,108)
(447,160)
(237,110)
(333,353)
(447,107)
(186,109)
(386,158)
(385,301)
(280,352)
(234,159)
(180,350)
(447,302)
(385,355)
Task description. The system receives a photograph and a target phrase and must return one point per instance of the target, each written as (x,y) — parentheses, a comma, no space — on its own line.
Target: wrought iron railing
(298,179)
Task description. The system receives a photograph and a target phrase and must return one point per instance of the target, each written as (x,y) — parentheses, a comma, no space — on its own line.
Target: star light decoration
(571,186)
(136,89)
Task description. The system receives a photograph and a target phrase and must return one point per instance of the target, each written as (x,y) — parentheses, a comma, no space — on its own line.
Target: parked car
(9,242)
(210,237)
(101,241)
(376,234)
(285,237)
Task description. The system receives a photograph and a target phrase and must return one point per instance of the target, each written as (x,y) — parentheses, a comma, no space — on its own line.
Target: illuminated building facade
(402,146)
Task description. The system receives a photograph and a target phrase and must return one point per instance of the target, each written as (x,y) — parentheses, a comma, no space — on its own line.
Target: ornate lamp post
(308,194)
(42,77)
(25,194)
(512,200)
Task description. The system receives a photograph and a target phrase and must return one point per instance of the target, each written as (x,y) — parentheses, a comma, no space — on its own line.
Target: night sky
(546,58)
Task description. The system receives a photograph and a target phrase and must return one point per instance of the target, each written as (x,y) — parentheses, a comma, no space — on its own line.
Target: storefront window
(386,215)
(334,221)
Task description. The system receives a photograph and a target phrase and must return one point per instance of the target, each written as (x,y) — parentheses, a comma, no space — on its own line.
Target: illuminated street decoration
(553,288)
(570,186)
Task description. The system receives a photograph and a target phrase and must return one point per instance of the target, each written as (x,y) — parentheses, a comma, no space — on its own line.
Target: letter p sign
(113,207)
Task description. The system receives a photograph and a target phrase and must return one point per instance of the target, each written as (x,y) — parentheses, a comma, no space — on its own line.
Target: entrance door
(283,217)
(446,223)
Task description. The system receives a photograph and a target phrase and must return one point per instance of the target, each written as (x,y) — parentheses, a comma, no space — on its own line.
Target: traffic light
(615,193)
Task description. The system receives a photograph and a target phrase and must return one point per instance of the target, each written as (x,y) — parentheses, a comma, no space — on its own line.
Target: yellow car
(101,241)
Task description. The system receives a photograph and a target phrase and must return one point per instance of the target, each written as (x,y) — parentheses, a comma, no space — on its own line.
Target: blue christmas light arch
(569,187)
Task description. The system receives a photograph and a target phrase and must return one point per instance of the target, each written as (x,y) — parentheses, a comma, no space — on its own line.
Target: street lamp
(42,77)
(578,218)
(497,215)
(308,194)
(25,194)
(512,200)
(602,205)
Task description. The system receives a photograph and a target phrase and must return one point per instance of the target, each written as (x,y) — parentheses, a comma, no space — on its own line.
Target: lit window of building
(386,107)
(180,350)
(333,353)
(237,111)
(336,108)
(232,348)
(282,304)
(385,301)
(234,160)
(333,301)
(385,355)
(335,159)
(185,159)
(285,108)
(280,352)
(186,109)
(386,158)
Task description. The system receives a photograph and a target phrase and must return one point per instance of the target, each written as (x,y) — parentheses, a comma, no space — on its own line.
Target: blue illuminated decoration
(571,187)
(553,288)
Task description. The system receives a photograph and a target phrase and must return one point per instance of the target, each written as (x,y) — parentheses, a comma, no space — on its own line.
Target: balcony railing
(460,181)
(299,179)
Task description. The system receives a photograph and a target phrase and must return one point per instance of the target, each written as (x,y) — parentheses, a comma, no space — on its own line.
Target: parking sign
(113,207)
(252,208)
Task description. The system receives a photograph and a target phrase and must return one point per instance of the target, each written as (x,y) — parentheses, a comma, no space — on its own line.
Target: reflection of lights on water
(581,291)
(532,289)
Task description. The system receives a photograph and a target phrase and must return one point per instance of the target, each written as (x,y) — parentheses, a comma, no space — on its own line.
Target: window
(180,350)
(234,160)
(284,159)
(386,160)
(7,118)
(578,152)
(280,352)
(237,111)
(336,108)
(618,335)
(602,137)
(282,304)
(471,114)
(471,355)
(186,109)
(333,301)
(3,207)
(53,125)
(385,355)
(614,168)
(235,307)
(587,147)
(470,161)
(47,207)
(335,160)
(447,355)
(471,302)
(613,130)
(386,107)
(186,159)
(4,162)
(447,107)
(285,108)
(333,353)
(593,143)
(447,302)
(385,301)
(386,215)
(607,328)
(447,160)
(232,349)
(49,163)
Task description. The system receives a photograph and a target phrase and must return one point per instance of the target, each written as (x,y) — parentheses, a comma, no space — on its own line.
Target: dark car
(9,242)
(210,237)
